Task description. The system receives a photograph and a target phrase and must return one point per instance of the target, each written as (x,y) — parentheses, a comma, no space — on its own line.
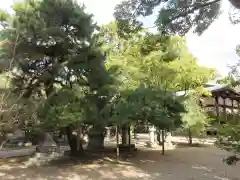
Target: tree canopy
(77,73)
(173,16)
(152,67)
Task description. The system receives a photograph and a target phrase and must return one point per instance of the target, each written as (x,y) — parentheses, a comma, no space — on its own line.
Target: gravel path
(179,164)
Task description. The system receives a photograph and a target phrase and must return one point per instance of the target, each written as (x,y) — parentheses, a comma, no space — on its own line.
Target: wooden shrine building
(223,105)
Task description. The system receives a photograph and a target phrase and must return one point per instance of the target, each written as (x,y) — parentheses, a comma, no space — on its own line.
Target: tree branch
(192,10)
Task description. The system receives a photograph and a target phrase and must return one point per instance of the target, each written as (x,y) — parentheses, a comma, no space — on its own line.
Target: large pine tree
(51,44)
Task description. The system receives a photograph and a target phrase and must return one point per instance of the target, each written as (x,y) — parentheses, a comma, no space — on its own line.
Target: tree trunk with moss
(76,148)
(96,138)
(190,141)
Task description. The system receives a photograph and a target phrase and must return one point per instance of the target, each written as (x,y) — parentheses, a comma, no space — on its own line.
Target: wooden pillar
(232,111)
(217,109)
(224,109)
(238,108)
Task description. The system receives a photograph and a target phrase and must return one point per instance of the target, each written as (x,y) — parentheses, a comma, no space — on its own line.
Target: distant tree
(195,120)
(148,63)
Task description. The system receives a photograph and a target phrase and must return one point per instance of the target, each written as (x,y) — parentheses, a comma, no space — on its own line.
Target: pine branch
(196,7)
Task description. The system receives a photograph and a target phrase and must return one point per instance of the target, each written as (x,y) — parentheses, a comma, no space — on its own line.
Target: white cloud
(102,10)
(216,47)
(6,4)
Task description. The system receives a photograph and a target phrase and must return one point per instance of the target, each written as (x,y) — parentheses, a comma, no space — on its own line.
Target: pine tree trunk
(76,148)
(189,136)
(97,132)
(163,142)
(96,139)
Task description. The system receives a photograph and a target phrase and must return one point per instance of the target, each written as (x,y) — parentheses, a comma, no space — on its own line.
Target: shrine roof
(217,90)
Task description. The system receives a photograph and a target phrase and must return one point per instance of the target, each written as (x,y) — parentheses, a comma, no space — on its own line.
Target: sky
(214,48)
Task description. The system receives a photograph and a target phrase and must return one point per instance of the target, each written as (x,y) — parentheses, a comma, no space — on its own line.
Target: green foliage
(148,66)
(16,113)
(59,59)
(190,75)
(238,50)
(165,63)
(54,43)
(179,16)
(151,67)
(195,119)
(174,16)
(151,106)
(62,108)
(56,57)
(4,17)
(229,133)
(228,139)
(233,78)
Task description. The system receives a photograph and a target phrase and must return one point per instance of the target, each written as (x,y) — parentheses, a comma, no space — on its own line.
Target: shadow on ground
(189,163)
(186,145)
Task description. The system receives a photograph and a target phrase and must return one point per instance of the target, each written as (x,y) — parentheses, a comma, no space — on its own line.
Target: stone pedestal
(127,147)
(125,135)
(168,137)
(96,142)
(152,137)
(126,139)
(168,141)
(96,138)
(108,133)
(47,145)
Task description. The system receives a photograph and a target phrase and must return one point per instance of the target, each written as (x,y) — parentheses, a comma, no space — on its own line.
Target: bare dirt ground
(184,163)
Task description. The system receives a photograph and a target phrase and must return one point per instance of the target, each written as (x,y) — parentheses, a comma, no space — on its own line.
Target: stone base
(95,143)
(169,145)
(125,147)
(151,145)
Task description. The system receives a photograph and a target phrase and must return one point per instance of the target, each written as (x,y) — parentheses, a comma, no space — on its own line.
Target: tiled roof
(213,88)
